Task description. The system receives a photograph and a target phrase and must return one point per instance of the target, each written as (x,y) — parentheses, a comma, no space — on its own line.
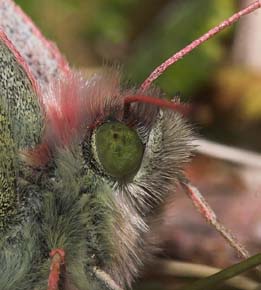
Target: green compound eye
(119,149)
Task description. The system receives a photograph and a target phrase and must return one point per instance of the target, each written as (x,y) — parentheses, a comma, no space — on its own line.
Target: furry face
(72,202)
(129,205)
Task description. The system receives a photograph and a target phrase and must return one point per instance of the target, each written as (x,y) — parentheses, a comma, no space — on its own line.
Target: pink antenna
(157,102)
(179,55)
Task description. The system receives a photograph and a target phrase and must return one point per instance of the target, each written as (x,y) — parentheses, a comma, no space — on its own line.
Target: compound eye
(119,149)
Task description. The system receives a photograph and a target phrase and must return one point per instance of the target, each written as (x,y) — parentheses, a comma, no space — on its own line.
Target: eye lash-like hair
(75,107)
(167,150)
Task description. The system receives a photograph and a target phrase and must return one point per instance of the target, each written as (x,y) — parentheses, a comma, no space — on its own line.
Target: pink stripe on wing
(42,56)
(21,61)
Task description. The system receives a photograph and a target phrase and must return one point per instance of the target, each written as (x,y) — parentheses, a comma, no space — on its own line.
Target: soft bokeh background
(221,79)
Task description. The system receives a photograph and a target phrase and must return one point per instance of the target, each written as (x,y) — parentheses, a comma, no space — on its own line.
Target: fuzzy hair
(167,140)
(100,222)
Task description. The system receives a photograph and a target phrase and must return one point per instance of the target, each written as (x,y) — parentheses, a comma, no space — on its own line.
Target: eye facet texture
(119,149)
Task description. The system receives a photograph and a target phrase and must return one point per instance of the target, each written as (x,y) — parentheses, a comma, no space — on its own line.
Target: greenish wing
(20,123)
(7,171)
(18,97)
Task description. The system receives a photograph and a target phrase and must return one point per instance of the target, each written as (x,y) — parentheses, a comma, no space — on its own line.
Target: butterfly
(85,165)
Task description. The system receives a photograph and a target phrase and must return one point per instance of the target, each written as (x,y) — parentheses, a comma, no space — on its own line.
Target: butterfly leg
(206,211)
(57,260)
(106,279)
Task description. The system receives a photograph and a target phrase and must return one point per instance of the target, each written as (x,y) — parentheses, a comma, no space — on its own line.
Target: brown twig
(228,153)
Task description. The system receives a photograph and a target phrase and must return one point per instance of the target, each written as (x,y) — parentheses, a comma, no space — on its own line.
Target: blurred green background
(139,35)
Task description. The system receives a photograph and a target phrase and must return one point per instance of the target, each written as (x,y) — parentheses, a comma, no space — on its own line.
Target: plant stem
(216,279)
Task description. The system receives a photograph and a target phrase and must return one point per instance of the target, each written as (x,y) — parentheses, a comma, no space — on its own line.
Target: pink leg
(57,259)
(205,210)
